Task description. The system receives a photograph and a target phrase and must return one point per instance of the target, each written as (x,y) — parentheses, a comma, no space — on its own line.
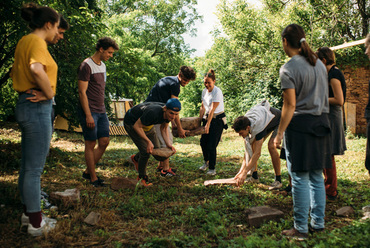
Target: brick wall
(357,93)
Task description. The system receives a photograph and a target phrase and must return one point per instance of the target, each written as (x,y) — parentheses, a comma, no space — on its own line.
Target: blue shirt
(163,89)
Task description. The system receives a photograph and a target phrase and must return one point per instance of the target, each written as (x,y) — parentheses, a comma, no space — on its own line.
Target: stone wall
(357,97)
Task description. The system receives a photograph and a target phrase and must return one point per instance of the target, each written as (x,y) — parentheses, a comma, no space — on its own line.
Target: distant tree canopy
(246,55)
(147,32)
(247,52)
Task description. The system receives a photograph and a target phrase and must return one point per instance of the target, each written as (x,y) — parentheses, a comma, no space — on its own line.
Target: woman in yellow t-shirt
(34,75)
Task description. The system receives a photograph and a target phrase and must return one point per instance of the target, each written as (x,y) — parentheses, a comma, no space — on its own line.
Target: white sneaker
(211,172)
(204,167)
(251,180)
(25,220)
(275,185)
(45,227)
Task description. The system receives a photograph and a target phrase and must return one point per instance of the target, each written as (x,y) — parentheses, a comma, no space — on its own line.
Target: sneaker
(211,172)
(204,167)
(98,184)
(288,189)
(168,173)
(159,169)
(275,185)
(294,234)
(45,227)
(144,181)
(312,230)
(25,220)
(134,162)
(251,180)
(45,203)
(87,177)
(43,193)
(331,197)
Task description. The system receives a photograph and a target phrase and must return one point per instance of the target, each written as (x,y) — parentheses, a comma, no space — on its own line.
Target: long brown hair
(296,38)
(327,54)
(37,16)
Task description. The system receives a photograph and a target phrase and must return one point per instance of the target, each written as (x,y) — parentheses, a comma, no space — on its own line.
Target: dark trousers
(367,160)
(209,142)
(330,176)
(142,156)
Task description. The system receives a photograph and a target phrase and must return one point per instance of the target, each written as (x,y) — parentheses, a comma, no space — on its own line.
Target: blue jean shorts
(101,128)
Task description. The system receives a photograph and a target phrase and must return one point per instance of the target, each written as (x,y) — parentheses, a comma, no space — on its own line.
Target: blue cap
(173,104)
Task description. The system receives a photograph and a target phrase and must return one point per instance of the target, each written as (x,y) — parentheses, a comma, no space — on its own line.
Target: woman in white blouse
(213,119)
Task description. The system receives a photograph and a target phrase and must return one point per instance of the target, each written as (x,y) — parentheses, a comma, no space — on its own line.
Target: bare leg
(93,155)
(165,164)
(275,158)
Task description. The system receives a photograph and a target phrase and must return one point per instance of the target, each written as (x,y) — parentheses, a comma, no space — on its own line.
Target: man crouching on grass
(138,123)
(255,127)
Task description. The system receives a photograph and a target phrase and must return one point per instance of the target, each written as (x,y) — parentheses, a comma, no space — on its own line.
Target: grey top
(310,84)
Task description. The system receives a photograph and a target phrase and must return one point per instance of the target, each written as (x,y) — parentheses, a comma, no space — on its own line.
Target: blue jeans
(34,120)
(308,191)
(101,128)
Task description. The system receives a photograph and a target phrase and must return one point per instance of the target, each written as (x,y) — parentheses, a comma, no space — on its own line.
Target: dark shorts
(101,128)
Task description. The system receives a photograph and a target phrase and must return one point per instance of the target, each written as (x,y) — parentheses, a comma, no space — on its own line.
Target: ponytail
(296,38)
(211,74)
(36,16)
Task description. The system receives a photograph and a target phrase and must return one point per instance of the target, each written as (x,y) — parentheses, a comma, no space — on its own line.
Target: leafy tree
(84,18)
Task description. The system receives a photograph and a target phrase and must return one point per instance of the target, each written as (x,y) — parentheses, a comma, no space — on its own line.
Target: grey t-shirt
(310,83)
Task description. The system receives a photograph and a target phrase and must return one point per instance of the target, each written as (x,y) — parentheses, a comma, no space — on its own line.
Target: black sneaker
(168,173)
(159,169)
(87,177)
(312,230)
(98,184)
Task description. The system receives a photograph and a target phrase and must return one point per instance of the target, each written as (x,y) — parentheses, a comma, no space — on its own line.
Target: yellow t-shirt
(32,49)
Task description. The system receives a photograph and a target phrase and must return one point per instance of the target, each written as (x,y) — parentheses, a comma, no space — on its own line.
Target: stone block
(258,215)
(190,123)
(227,181)
(68,196)
(123,183)
(345,211)
(93,218)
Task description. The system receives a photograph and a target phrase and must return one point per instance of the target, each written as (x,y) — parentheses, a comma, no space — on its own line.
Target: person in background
(139,121)
(367,112)
(92,113)
(63,27)
(213,120)
(165,89)
(34,75)
(305,126)
(255,127)
(337,97)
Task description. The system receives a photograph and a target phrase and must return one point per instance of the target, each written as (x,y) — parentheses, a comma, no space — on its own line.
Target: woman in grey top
(304,119)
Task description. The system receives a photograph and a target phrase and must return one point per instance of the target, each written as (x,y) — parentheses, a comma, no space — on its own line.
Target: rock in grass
(93,218)
(258,215)
(68,196)
(345,211)
(123,183)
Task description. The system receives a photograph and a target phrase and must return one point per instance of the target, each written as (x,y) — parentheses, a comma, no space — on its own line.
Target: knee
(271,147)
(103,143)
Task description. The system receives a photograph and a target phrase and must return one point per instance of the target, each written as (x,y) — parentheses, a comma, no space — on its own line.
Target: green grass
(175,212)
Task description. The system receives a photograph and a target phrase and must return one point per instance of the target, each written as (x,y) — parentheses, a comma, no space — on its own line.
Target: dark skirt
(307,140)
(338,138)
